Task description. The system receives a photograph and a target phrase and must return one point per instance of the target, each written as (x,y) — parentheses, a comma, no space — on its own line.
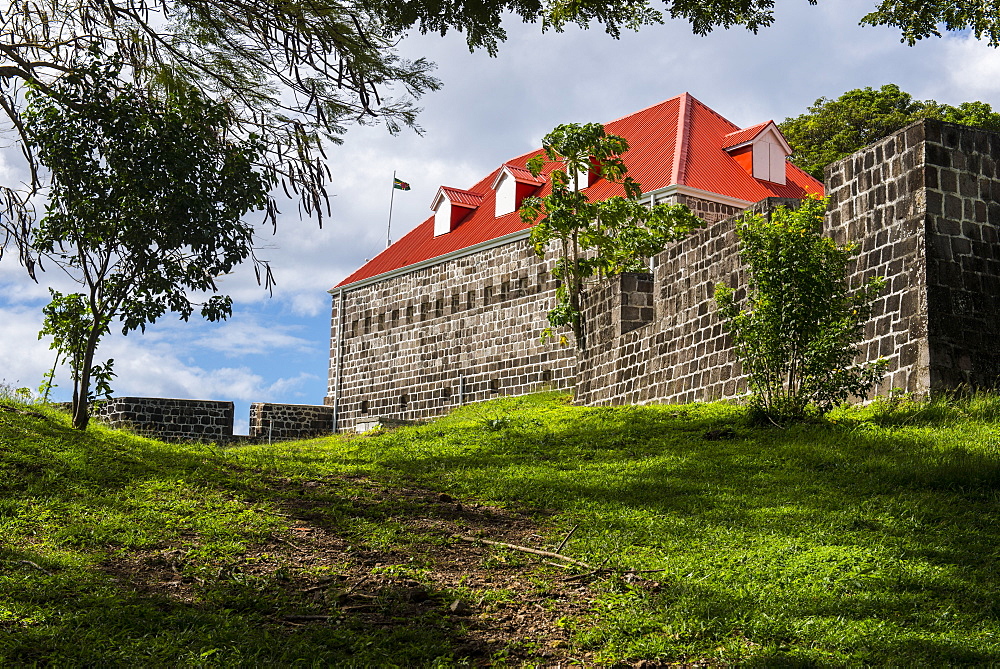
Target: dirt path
(501,606)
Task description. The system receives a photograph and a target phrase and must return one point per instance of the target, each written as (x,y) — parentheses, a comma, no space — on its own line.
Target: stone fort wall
(467,329)
(169,419)
(923,205)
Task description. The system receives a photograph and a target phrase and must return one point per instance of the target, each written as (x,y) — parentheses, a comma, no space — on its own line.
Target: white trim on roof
(677,189)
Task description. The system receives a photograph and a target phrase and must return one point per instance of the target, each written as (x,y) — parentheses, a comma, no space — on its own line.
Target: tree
(144,209)
(834,129)
(593,239)
(296,73)
(797,335)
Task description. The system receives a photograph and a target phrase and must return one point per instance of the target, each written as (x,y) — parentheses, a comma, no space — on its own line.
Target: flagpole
(392,196)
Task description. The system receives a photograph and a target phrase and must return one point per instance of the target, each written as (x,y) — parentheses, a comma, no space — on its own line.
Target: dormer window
(586,178)
(761,150)
(511,185)
(451,206)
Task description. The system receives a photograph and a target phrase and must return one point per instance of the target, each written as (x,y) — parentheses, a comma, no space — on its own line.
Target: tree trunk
(81,407)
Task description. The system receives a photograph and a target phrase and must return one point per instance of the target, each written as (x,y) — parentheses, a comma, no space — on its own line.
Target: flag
(400,184)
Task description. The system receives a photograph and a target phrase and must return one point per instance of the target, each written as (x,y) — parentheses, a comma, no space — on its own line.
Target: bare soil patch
(499,606)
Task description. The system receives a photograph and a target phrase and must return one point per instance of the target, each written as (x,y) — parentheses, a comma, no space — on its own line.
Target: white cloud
(23,358)
(242,336)
(971,67)
(159,369)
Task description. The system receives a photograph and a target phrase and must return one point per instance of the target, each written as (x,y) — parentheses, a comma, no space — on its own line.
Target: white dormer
(511,185)
(451,206)
(762,151)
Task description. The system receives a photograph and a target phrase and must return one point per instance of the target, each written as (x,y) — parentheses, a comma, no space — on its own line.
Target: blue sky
(490,109)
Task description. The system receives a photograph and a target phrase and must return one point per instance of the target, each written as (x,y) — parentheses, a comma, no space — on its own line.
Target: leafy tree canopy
(593,240)
(833,129)
(296,73)
(144,210)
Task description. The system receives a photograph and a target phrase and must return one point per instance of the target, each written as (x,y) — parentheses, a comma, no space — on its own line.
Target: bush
(797,337)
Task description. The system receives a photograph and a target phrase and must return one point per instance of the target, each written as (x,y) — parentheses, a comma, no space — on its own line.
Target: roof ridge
(716,114)
(462,190)
(646,109)
(751,127)
(679,174)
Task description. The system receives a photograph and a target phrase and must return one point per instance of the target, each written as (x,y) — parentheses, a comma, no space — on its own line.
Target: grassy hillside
(868,538)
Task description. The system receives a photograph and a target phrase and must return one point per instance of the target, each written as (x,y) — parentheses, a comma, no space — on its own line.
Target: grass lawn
(869,538)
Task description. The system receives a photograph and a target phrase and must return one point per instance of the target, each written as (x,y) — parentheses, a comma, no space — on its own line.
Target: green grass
(868,538)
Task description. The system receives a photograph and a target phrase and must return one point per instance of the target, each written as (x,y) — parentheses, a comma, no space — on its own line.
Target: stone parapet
(169,419)
(469,329)
(281,422)
(877,199)
(961,185)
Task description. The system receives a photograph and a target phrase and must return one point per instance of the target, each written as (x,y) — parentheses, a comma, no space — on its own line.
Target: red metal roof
(744,135)
(523,175)
(677,142)
(463,198)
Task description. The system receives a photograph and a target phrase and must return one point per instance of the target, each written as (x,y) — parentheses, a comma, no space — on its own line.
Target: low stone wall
(280,422)
(169,419)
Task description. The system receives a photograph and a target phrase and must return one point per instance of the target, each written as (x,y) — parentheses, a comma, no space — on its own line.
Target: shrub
(797,337)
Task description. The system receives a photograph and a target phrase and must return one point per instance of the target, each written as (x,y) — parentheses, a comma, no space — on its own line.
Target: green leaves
(919,19)
(834,129)
(145,207)
(797,335)
(593,240)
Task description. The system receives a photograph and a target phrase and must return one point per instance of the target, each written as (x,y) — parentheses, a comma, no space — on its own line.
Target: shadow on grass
(88,619)
(873,546)
(62,603)
(847,524)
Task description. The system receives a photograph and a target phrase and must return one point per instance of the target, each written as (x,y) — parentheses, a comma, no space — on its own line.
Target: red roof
(744,135)
(463,198)
(521,174)
(677,142)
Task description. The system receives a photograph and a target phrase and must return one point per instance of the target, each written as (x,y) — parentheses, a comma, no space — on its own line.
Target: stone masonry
(467,329)
(277,422)
(680,353)
(169,419)
(923,205)
(926,204)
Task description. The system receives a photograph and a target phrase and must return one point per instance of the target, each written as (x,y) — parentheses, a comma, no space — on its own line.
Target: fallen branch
(23,412)
(286,541)
(324,583)
(593,571)
(32,564)
(294,618)
(523,549)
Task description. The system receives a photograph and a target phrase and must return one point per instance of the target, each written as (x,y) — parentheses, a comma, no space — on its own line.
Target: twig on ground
(286,541)
(317,617)
(323,583)
(355,586)
(523,549)
(566,540)
(593,570)
(32,564)
(23,412)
